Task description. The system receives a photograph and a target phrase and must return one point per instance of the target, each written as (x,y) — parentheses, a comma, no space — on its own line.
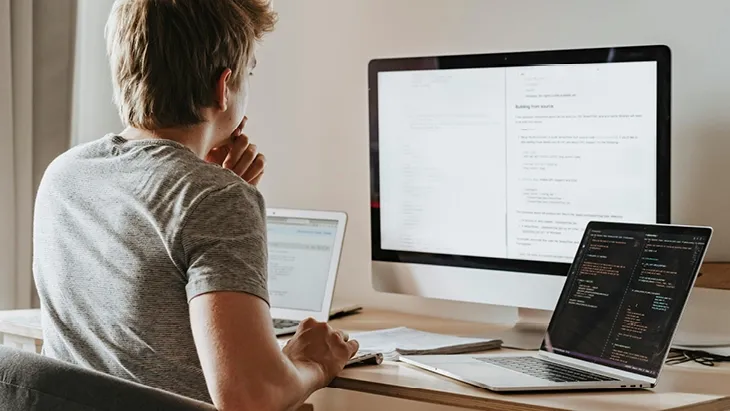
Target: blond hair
(167,55)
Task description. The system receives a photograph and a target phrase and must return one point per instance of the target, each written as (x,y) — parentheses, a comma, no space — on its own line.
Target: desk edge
(713,402)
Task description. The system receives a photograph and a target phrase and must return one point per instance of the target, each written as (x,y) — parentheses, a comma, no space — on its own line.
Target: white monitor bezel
(499,281)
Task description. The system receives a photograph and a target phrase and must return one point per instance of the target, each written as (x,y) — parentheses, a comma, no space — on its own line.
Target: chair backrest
(30,381)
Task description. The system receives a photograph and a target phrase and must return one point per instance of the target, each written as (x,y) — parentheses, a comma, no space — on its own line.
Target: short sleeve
(224,242)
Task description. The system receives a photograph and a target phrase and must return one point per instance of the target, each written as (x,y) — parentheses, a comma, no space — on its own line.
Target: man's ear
(221,89)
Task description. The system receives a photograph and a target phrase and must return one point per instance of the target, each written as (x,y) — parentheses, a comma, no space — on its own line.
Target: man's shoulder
(197,180)
(65,165)
(159,169)
(201,173)
(211,179)
(223,186)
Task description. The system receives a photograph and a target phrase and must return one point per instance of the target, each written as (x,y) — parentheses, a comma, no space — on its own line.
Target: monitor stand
(529,330)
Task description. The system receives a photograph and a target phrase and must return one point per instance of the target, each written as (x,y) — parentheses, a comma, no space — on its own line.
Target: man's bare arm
(243,365)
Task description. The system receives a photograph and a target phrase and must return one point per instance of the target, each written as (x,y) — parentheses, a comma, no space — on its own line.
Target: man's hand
(243,365)
(321,348)
(239,156)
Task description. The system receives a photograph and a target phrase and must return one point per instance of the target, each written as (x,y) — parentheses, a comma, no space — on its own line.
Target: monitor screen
(624,295)
(300,257)
(510,161)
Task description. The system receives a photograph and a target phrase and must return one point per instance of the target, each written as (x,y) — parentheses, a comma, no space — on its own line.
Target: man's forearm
(306,379)
(283,387)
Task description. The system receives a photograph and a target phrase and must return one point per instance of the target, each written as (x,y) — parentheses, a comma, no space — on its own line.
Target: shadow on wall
(703,174)
(54,36)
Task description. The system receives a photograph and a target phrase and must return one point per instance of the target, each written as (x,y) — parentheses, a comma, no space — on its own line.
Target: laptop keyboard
(281,324)
(545,370)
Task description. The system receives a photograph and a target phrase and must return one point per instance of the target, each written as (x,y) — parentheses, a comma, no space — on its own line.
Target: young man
(150,245)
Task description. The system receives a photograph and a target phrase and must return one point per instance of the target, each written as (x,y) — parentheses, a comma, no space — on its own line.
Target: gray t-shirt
(126,233)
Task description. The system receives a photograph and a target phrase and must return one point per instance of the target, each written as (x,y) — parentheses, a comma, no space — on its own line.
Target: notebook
(394,342)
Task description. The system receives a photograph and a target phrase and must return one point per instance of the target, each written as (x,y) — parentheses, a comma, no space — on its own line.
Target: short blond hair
(167,55)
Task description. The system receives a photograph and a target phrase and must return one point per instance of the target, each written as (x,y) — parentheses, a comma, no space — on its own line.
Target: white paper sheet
(403,340)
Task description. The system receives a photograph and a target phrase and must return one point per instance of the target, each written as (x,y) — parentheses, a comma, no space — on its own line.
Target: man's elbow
(263,398)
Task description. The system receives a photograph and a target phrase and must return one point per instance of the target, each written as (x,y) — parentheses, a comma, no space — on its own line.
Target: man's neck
(199,138)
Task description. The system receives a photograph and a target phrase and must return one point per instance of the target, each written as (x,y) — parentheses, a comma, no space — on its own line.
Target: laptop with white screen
(614,322)
(304,253)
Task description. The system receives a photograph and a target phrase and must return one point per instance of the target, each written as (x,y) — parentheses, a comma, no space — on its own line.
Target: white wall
(93,110)
(54,27)
(309,104)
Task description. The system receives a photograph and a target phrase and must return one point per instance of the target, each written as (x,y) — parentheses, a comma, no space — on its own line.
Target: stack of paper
(394,342)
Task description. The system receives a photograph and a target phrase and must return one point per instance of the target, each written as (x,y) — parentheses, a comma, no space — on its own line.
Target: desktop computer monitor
(485,169)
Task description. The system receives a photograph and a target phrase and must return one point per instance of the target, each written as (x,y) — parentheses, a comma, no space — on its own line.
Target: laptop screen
(300,254)
(624,295)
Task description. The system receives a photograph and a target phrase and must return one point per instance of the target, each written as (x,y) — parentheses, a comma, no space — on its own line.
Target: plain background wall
(54,28)
(94,113)
(308,109)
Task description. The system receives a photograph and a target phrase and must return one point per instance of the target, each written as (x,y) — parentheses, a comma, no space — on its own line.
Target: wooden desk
(714,275)
(684,387)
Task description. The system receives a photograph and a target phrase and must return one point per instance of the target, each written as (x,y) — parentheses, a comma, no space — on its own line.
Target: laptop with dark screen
(614,322)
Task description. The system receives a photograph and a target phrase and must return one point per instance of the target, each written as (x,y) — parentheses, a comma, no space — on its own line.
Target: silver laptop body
(645,281)
(304,250)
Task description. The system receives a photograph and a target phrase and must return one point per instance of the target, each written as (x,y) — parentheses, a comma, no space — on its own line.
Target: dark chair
(30,382)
